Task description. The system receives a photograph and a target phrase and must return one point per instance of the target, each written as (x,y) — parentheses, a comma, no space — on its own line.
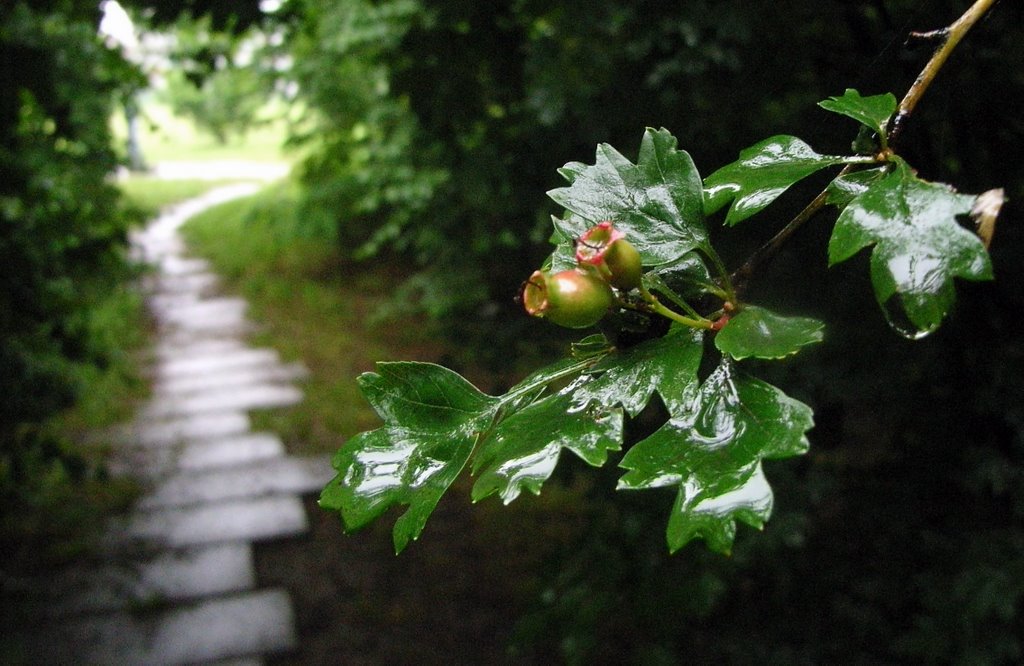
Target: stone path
(178,583)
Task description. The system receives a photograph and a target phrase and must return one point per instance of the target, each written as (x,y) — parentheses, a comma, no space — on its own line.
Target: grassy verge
(147,195)
(313,305)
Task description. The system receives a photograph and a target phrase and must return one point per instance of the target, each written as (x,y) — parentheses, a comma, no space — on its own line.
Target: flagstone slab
(254,376)
(242,397)
(184,428)
(238,450)
(268,477)
(173,575)
(212,327)
(251,519)
(168,350)
(158,462)
(239,626)
(178,266)
(256,623)
(213,363)
(190,283)
(199,311)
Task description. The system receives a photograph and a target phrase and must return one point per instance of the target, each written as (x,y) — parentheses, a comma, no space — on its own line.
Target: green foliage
(656,202)
(718,429)
(872,112)
(63,234)
(759,333)
(66,322)
(919,246)
(220,94)
(760,175)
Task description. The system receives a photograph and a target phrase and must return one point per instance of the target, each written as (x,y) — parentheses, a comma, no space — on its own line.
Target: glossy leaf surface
(756,332)
(630,377)
(523,449)
(713,452)
(873,112)
(761,174)
(432,418)
(657,202)
(847,187)
(918,247)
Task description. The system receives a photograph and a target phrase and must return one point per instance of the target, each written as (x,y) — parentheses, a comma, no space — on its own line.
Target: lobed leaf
(872,112)
(761,174)
(657,202)
(713,452)
(756,332)
(432,417)
(919,247)
(523,449)
(630,377)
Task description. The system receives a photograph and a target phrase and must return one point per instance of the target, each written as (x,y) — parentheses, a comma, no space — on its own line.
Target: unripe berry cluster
(581,296)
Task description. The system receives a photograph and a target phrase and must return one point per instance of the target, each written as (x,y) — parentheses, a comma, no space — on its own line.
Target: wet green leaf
(431,420)
(761,174)
(630,377)
(844,189)
(657,202)
(523,449)
(759,333)
(687,277)
(872,112)
(918,247)
(713,451)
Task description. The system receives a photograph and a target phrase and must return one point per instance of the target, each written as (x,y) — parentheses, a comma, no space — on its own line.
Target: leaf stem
(761,256)
(654,305)
(950,36)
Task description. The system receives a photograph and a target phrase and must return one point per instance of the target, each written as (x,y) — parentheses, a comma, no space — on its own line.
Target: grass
(149,195)
(315,306)
(166,137)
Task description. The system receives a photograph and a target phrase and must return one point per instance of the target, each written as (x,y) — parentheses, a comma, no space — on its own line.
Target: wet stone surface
(178,583)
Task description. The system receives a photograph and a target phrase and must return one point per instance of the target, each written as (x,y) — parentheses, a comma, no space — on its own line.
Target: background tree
(62,230)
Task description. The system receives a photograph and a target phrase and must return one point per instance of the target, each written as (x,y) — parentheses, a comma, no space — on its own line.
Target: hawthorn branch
(947,38)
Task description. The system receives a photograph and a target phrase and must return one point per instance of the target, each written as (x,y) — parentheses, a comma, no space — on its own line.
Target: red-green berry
(605,248)
(573,298)
(623,262)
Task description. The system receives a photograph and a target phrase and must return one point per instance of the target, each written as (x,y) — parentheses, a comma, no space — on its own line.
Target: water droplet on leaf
(896,316)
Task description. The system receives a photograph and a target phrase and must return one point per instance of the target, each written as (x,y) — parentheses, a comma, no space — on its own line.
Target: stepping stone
(242,398)
(252,519)
(211,326)
(214,363)
(243,625)
(210,309)
(239,450)
(258,479)
(166,350)
(173,265)
(259,375)
(255,623)
(180,429)
(156,462)
(191,283)
(175,575)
